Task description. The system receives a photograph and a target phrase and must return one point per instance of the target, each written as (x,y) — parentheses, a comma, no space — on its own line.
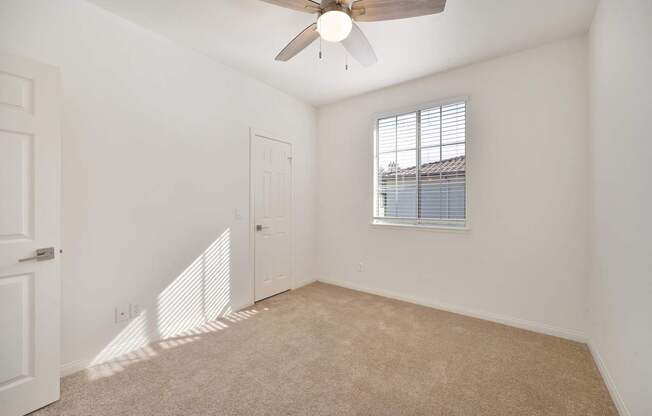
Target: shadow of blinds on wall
(421,167)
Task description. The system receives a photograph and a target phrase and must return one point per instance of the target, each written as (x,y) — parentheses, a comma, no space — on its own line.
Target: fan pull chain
(320,47)
(346,61)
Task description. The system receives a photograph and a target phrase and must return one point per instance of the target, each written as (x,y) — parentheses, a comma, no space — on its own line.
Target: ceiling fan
(335,22)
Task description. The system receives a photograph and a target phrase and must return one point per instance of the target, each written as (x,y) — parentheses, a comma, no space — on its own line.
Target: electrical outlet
(135,310)
(122,313)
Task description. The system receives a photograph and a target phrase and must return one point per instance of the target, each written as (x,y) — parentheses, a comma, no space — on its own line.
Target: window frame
(419,223)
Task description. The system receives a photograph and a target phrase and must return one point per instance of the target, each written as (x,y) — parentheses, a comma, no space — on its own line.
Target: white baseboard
(84,363)
(75,366)
(487,316)
(302,283)
(608,380)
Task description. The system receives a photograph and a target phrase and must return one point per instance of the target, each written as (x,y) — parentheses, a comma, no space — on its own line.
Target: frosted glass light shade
(334,26)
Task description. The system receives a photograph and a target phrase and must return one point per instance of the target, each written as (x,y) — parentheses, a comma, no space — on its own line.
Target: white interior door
(30,167)
(272,174)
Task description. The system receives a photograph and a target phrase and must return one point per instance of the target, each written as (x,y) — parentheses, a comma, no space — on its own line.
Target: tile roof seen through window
(453,165)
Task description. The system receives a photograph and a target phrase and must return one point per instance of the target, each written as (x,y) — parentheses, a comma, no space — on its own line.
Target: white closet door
(272,163)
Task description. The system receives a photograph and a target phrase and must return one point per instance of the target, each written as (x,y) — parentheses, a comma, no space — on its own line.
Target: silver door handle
(260,227)
(41,254)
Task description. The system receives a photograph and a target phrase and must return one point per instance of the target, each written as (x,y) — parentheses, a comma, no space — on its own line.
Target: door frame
(253,132)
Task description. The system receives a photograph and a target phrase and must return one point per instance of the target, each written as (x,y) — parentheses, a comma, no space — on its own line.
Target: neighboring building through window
(420,164)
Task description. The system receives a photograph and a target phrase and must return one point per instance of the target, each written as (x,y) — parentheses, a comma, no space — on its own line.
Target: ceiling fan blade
(308,6)
(359,47)
(375,10)
(299,43)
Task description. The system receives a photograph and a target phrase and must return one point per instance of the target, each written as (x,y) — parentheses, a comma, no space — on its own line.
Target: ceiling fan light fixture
(334,25)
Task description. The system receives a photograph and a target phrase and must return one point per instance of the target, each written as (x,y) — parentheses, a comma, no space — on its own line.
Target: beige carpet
(324,350)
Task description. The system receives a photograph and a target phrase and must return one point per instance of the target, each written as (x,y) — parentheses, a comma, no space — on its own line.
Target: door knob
(41,254)
(260,227)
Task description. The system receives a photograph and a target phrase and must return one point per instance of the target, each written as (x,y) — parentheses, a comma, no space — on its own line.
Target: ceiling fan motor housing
(334,5)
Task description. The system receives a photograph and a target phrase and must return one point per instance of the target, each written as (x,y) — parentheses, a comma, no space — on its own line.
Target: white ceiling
(247,35)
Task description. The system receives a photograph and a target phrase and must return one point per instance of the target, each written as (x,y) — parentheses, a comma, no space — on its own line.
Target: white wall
(155,156)
(524,260)
(621,201)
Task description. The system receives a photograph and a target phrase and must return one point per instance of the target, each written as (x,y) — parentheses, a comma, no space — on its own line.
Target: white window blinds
(421,166)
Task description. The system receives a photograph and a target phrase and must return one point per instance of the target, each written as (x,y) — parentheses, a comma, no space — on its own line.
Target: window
(420,167)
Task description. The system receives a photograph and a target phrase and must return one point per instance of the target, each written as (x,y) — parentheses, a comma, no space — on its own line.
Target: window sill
(424,227)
